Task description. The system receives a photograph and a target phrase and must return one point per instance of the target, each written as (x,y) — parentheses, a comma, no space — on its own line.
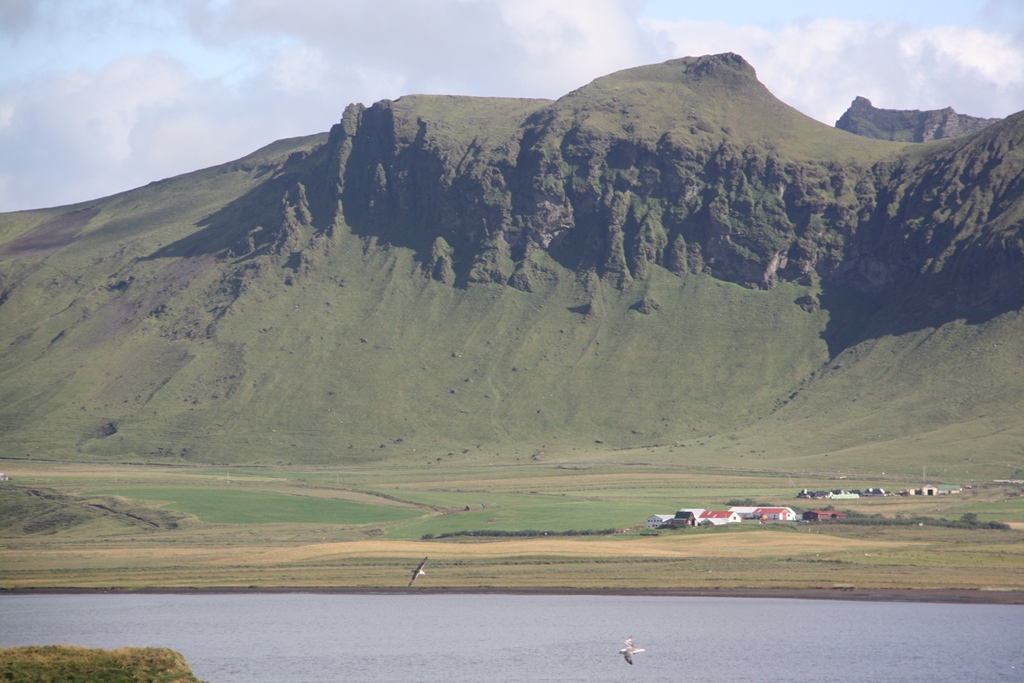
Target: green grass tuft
(72,664)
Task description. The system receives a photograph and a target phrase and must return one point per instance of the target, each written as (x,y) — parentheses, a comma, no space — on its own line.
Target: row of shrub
(498,533)
(967,521)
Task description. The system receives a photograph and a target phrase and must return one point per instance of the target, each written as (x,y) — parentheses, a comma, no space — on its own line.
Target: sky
(102,96)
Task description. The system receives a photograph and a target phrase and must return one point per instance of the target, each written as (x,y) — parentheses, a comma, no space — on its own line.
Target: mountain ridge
(449,273)
(863,118)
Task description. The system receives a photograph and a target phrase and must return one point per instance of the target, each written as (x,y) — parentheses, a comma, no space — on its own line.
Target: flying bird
(418,572)
(629,650)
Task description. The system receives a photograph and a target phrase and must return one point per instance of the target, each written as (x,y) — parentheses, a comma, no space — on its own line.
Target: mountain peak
(727,67)
(714,64)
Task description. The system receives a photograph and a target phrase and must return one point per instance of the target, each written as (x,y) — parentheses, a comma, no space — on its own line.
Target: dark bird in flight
(629,650)
(418,572)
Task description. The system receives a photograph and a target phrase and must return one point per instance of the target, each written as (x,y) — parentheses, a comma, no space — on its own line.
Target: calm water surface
(307,638)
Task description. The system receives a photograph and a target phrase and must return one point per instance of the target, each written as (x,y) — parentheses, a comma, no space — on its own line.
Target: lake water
(307,638)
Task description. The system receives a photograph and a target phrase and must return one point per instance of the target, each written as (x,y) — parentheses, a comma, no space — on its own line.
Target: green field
(78,525)
(227,506)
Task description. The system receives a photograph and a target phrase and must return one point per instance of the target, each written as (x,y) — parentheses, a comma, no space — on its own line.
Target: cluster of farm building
(701,517)
(840,494)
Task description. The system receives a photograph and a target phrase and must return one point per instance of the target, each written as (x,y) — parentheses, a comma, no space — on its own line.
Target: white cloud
(15,15)
(110,102)
(298,69)
(500,47)
(566,44)
(998,59)
(171,86)
(159,143)
(72,134)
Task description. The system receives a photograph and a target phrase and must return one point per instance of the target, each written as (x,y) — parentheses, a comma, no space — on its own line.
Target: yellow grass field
(734,546)
(755,559)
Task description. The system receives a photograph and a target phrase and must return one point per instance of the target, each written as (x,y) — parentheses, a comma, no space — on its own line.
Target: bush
(967,521)
(498,533)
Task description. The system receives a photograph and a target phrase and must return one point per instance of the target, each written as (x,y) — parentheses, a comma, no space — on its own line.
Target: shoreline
(923,595)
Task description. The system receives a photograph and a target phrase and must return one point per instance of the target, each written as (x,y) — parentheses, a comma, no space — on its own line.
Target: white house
(775,514)
(655,521)
(719,517)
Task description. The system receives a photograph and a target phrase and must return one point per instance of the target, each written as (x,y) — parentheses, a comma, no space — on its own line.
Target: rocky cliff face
(862,118)
(951,224)
(592,182)
(657,166)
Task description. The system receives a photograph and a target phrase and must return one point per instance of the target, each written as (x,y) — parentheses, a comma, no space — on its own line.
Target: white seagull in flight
(629,650)
(418,572)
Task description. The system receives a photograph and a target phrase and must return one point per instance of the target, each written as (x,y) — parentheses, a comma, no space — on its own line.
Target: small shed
(928,490)
(822,515)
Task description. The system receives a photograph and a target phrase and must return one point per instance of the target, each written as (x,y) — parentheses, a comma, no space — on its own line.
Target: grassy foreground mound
(73,664)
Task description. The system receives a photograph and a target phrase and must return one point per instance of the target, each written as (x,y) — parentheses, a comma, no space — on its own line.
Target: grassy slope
(435,376)
(68,297)
(441,369)
(71,664)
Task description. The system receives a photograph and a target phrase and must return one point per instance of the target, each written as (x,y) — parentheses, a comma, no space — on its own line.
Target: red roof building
(717,517)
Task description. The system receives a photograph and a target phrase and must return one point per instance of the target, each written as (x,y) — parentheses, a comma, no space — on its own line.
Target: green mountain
(665,255)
